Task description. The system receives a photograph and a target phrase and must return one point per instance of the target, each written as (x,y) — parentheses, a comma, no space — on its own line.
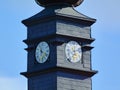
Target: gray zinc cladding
(66,24)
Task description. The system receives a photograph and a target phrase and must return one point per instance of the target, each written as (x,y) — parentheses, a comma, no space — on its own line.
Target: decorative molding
(61,69)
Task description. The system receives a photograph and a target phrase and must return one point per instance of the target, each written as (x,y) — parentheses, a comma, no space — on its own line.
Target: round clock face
(73,51)
(42,52)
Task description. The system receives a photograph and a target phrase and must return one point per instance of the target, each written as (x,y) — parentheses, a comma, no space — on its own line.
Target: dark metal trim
(81,20)
(87,73)
(59,38)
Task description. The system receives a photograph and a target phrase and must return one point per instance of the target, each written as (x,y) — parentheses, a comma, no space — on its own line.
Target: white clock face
(42,52)
(73,51)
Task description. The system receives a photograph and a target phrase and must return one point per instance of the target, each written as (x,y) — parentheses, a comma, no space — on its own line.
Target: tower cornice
(74,18)
(87,73)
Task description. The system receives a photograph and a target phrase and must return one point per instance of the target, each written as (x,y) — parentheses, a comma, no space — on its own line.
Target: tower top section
(45,3)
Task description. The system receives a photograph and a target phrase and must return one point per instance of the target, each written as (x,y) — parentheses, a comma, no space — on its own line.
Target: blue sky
(105,55)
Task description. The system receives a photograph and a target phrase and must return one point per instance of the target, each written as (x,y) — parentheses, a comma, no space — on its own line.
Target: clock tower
(59,50)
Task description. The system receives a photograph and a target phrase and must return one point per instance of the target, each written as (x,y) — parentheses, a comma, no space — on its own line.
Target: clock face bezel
(73,52)
(42,52)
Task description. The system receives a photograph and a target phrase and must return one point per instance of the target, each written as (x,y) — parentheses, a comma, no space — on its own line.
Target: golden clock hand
(43,54)
(75,55)
(41,58)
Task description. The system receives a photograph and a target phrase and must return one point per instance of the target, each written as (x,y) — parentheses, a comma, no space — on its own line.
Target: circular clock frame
(42,52)
(73,51)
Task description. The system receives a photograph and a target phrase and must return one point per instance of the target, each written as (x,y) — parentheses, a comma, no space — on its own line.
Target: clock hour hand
(41,51)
